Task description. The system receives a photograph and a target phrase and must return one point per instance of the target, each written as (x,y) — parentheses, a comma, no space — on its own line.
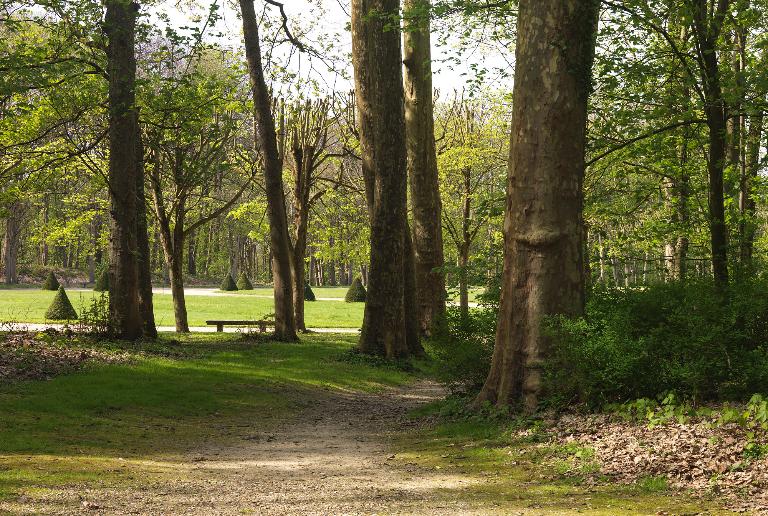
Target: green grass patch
(30,305)
(122,423)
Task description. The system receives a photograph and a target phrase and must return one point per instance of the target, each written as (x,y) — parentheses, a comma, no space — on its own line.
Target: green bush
(228,284)
(676,337)
(356,292)
(51,283)
(243,283)
(102,282)
(61,309)
(308,294)
(464,347)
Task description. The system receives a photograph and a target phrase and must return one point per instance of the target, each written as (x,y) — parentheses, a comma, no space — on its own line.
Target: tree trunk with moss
(543,235)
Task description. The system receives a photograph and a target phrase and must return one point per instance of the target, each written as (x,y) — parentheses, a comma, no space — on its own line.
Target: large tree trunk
(266,139)
(120,25)
(379,97)
(422,166)
(543,248)
(12,241)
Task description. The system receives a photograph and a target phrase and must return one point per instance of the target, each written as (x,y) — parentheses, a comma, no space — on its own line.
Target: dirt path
(333,459)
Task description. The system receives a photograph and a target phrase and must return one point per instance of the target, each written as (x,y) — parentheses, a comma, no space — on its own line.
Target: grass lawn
(116,423)
(29,305)
(328,292)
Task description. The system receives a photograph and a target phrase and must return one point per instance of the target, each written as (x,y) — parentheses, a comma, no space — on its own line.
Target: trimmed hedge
(61,309)
(228,284)
(102,282)
(308,294)
(51,283)
(243,283)
(356,292)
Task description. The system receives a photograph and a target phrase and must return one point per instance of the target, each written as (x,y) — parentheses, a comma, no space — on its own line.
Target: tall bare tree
(543,228)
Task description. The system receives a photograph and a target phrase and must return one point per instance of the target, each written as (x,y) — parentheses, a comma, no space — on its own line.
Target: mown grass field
(29,305)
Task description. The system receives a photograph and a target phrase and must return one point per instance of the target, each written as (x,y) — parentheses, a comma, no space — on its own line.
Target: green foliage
(228,285)
(464,349)
(102,281)
(61,309)
(356,292)
(51,283)
(308,294)
(95,317)
(243,283)
(674,337)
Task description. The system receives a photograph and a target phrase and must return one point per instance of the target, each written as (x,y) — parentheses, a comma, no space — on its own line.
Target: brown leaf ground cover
(727,460)
(40,356)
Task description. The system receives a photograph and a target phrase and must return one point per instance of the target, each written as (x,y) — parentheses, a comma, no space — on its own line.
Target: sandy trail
(331,459)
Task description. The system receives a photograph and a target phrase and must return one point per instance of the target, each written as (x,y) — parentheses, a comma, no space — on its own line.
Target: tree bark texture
(376,56)
(146,306)
(120,26)
(543,248)
(266,139)
(422,167)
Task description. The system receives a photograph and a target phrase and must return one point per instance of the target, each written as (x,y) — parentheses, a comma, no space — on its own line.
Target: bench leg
(219,328)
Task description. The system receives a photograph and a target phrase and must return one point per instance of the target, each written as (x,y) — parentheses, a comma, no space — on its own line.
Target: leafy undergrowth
(127,422)
(537,467)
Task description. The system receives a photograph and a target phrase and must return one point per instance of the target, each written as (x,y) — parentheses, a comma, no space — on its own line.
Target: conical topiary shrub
(51,283)
(356,292)
(308,294)
(61,309)
(102,282)
(243,283)
(228,284)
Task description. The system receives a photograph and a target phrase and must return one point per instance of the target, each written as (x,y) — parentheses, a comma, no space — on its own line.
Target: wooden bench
(262,324)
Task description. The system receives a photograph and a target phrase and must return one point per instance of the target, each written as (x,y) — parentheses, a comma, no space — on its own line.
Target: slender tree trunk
(463,279)
(12,242)
(119,25)
(412,326)
(376,56)
(747,204)
(176,273)
(266,139)
(707,25)
(191,254)
(143,257)
(422,166)
(543,248)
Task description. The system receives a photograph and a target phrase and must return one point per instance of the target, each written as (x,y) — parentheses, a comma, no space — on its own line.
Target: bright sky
(331,17)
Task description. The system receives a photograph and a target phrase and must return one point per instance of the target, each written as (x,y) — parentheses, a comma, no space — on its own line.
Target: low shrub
(356,292)
(464,346)
(684,338)
(61,309)
(308,294)
(51,283)
(243,283)
(228,284)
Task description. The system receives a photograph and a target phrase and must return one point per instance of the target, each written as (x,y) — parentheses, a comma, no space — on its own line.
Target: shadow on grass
(75,427)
